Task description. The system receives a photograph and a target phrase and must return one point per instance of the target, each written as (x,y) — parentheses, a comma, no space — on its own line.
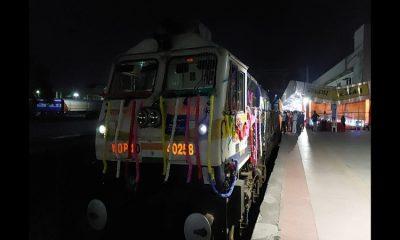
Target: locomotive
(184,131)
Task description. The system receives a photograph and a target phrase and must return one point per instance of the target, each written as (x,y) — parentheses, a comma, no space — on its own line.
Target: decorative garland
(135,152)
(187,133)
(171,139)
(231,184)
(210,170)
(120,114)
(197,148)
(163,126)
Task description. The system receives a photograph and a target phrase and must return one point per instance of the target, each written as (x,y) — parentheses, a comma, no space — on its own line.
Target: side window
(240,91)
(230,94)
(251,93)
(235,92)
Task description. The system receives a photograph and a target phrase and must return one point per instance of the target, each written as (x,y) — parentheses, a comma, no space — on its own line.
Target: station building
(345,89)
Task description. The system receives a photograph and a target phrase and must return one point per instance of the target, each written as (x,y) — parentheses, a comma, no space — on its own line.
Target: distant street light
(76,95)
(38,92)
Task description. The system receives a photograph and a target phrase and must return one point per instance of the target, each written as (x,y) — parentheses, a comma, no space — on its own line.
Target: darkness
(72,43)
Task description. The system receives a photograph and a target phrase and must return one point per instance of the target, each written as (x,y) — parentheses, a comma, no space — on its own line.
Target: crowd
(292,122)
(323,121)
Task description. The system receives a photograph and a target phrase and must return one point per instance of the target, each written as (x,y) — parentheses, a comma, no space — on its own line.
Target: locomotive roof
(180,41)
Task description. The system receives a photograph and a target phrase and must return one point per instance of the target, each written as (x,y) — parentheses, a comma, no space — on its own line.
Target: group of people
(315,117)
(292,121)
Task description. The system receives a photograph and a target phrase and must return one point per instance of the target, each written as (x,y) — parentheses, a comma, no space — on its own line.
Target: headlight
(202,129)
(142,118)
(102,129)
(154,118)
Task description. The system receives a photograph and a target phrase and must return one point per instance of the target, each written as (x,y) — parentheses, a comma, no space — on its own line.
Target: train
(185,133)
(60,107)
(89,106)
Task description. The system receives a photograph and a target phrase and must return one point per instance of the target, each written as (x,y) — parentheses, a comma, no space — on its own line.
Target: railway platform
(320,188)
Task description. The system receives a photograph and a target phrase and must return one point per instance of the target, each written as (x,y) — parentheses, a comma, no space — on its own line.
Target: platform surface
(320,188)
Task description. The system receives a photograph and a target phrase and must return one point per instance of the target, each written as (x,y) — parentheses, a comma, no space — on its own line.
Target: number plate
(180,149)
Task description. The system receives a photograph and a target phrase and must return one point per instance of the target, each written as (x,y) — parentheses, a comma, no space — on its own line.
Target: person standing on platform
(314,118)
(343,120)
(294,126)
(299,122)
(284,121)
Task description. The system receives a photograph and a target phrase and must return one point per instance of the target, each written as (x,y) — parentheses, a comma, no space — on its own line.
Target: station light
(76,95)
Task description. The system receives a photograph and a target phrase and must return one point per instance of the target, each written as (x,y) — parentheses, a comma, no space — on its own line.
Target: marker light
(202,129)
(102,129)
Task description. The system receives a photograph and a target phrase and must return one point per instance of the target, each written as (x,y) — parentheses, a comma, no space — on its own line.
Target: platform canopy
(294,95)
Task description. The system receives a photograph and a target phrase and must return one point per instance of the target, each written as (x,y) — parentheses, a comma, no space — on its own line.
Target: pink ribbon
(197,148)
(187,157)
(135,153)
(131,132)
(256,145)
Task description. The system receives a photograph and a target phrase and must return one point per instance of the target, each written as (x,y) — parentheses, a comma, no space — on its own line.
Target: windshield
(191,72)
(134,77)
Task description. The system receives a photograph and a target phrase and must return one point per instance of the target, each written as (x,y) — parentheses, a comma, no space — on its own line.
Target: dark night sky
(76,41)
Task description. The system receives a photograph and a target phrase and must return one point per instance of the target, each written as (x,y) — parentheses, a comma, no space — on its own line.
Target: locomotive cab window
(136,77)
(191,72)
(235,98)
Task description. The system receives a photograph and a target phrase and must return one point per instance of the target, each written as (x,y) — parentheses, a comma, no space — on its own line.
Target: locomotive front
(178,129)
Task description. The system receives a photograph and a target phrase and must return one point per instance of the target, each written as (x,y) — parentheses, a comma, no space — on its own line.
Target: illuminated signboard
(123,148)
(338,94)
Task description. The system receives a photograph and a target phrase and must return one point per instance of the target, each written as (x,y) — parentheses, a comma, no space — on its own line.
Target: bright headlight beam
(202,129)
(102,129)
